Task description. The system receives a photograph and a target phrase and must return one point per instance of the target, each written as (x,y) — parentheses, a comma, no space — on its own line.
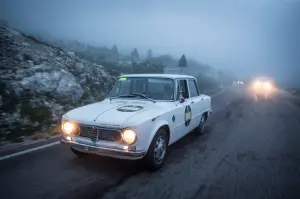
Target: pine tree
(135,55)
(115,49)
(149,54)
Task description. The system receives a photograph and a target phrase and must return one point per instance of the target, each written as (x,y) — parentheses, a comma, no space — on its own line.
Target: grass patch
(19,130)
(35,138)
(101,97)
(38,136)
(9,99)
(17,140)
(41,114)
(86,94)
(54,131)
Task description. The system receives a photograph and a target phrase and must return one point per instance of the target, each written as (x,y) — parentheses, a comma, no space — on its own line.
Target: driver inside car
(169,91)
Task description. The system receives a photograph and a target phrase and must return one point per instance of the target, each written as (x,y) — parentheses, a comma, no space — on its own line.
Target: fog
(249,37)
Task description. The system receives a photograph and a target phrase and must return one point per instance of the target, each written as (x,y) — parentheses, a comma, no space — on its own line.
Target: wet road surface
(250,149)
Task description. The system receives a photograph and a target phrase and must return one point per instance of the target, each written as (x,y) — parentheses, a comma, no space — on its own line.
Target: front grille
(99,133)
(93,133)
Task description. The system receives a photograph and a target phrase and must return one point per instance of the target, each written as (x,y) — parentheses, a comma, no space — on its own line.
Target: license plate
(86,148)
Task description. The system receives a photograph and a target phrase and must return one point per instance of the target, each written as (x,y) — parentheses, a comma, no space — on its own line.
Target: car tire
(79,153)
(157,151)
(200,128)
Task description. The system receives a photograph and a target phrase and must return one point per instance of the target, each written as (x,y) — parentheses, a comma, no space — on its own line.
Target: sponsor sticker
(122,79)
(187,115)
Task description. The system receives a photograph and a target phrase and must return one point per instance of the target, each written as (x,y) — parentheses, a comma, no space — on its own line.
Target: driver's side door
(181,121)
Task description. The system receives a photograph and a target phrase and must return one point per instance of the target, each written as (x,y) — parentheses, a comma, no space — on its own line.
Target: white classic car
(142,115)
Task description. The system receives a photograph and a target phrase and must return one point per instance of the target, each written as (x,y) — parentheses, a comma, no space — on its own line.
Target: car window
(156,88)
(121,88)
(193,88)
(139,86)
(182,89)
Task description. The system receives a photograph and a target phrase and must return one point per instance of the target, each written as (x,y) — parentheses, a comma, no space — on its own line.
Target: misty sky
(247,36)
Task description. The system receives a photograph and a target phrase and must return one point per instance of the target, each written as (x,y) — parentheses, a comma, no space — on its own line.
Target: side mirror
(181,100)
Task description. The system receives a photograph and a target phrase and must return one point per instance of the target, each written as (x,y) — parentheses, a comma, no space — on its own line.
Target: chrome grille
(93,133)
(99,133)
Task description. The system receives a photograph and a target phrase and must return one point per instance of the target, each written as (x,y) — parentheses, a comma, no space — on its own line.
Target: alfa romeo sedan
(142,115)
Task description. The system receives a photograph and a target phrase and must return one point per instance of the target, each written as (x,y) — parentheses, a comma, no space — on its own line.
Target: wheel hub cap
(202,122)
(160,149)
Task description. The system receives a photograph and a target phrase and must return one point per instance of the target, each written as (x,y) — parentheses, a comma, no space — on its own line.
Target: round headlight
(68,127)
(129,136)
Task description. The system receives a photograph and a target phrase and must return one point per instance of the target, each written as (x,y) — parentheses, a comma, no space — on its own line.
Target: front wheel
(157,151)
(200,128)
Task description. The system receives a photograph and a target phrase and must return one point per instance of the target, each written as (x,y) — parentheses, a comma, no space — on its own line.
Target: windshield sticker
(130,108)
(122,79)
(187,115)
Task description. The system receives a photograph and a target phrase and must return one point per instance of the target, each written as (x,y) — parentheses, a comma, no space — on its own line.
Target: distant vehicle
(263,86)
(238,82)
(294,91)
(140,118)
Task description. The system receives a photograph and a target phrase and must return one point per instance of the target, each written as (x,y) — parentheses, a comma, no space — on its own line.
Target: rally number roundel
(130,108)
(187,115)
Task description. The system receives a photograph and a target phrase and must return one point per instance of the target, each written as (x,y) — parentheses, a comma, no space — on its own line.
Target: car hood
(113,113)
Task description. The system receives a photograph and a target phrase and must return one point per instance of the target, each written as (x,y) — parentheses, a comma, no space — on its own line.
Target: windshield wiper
(143,96)
(134,95)
(122,96)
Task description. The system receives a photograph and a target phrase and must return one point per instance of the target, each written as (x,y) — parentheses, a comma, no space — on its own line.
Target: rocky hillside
(39,82)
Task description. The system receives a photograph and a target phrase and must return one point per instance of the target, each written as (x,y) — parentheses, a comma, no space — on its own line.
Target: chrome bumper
(103,151)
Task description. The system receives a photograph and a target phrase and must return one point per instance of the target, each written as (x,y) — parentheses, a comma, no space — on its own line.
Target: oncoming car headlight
(69,127)
(257,83)
(267,85)
(129,136)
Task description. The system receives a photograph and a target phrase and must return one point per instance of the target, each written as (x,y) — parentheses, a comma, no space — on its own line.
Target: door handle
(192,102)
(201,98)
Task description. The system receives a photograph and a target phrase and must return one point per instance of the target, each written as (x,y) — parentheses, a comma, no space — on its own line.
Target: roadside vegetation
(118,64)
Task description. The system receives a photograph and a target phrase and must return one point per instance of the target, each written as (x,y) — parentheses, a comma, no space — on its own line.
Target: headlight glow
(129,136)
(267,85)
(68,127)
(257,83)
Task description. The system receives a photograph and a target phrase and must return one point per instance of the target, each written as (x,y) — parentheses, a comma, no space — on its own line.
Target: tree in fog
(134,55)
(115,49)
(149,54)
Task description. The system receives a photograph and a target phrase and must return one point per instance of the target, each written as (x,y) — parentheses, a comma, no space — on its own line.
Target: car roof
(173,76)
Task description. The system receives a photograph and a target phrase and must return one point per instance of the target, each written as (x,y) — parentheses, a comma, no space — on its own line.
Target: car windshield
(144,88)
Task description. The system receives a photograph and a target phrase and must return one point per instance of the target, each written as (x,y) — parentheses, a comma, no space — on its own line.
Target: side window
(182,89)
(193,88)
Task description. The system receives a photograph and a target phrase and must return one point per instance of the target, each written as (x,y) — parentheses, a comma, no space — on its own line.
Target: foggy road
(250,149)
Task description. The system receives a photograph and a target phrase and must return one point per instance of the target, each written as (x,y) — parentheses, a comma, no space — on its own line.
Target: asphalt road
(250,149)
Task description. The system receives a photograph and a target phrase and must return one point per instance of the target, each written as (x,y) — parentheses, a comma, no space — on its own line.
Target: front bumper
(104,151)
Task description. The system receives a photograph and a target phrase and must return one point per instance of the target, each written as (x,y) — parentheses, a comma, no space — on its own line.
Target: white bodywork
(145,122)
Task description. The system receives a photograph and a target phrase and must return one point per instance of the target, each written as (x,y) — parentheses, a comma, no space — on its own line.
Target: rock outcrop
(39,82)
